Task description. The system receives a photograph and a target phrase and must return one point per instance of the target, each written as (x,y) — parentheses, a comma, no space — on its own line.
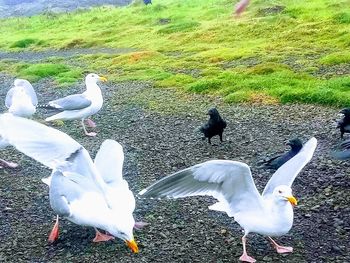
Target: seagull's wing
(44,144)
(109,162)
(286,174)
(71,102)
(67,187)
(30,91)
(9,97)
(230,182)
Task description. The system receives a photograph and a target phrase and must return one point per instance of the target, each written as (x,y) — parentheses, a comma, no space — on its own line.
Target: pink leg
(91,134)
(281,249)
(90,123)
(101,237)
(245,256)
(140,225)
(4,163)
(54,232)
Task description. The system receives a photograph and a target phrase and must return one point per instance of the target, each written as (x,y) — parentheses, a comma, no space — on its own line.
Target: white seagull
(80,106)
(86,192)
(21,100)
(231,183)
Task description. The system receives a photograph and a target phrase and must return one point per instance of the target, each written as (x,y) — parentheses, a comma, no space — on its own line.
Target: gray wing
(9,96)
(286,174)
(230,182)
(71,102)
(67,187)
(109,162)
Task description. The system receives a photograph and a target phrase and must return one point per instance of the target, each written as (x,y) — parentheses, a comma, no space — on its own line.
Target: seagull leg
(280,249)
(100,237)
(4,163)
(54,232)
(90,123)
(92,134)
(245,256)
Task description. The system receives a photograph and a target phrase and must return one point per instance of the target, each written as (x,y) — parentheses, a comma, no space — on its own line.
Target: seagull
(21,100)
(80,106)
(276,162)
(86,192)
(231,183)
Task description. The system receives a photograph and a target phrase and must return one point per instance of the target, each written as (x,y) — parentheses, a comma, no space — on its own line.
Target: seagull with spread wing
(231,183)
(86,192)
(80,106)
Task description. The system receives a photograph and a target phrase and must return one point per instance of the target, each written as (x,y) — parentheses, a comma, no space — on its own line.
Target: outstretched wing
(230,182)
(71,102)
(44,144)
(109,162)
(286,174)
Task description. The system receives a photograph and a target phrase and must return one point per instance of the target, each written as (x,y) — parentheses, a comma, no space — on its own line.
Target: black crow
(147,2)
(344,123)
(214,126)
(277,161)
(344,151)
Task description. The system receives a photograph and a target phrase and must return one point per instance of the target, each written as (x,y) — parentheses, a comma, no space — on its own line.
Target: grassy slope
(278,51)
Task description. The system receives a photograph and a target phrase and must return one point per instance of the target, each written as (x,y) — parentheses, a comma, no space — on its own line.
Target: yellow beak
(103,79)
(292,200)
(132,245)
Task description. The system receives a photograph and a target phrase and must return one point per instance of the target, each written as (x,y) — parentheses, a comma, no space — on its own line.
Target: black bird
(277,161)
(214,126)
(147,2)
(344,152)
(344,123)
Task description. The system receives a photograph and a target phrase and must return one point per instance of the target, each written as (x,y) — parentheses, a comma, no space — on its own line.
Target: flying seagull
(80,106)
(21,100)
(86,192)
(277,161)
(344,123)
(231,183)
(214,126)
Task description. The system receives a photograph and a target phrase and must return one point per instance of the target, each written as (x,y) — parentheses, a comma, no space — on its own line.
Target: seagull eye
(279,191)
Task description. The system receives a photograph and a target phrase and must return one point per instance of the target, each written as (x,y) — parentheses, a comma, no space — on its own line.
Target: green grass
(276,52)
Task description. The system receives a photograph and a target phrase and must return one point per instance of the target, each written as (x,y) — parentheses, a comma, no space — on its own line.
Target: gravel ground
(157,129)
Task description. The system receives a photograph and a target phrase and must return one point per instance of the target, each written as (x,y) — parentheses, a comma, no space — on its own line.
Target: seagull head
(92,77)
(122,227)
(283,193)
(21,83)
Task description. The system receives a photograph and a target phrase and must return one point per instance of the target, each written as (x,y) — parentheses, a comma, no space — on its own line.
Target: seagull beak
(132,245)
(103,79)
(292,200)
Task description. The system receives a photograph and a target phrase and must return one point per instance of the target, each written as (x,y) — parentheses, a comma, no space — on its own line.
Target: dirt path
(156,128)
